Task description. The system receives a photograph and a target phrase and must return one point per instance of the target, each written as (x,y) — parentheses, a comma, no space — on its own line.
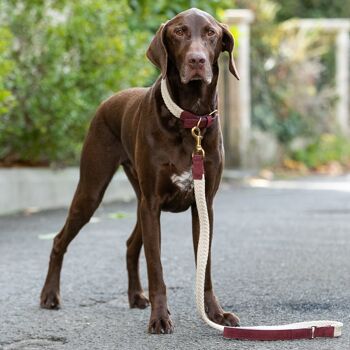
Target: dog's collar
(189,120)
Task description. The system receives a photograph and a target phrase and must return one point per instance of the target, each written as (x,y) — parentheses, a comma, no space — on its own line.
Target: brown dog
(135,129)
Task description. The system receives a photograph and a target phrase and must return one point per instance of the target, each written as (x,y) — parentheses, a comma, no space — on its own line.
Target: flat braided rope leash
(300,330)
(202,250)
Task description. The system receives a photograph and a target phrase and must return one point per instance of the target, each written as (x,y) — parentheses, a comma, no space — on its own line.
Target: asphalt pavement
(281,254)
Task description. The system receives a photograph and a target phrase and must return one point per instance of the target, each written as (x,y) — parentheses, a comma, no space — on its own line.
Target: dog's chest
(176,189)
(183,181)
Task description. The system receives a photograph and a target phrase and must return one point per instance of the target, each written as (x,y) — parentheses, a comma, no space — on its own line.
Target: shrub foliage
(60,58)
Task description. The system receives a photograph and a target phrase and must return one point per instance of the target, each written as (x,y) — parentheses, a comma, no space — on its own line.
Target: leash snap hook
(196,133)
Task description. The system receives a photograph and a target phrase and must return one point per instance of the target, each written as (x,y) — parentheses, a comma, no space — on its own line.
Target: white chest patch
(184,181)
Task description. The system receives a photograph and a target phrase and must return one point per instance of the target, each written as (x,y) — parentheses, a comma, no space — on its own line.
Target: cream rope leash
(202,251)
(300,330)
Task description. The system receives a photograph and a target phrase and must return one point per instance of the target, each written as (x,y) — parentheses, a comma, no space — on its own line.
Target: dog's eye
(210,32)
(179,32)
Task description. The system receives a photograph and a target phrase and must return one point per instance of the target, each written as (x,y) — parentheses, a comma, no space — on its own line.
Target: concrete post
(342,80)
(234,103)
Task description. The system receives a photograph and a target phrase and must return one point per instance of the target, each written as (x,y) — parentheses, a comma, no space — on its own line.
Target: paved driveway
(279,255)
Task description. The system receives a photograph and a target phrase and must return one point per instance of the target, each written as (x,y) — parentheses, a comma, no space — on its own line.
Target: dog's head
(192,41)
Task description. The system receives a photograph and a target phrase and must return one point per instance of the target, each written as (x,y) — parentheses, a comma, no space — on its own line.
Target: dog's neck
(196,96)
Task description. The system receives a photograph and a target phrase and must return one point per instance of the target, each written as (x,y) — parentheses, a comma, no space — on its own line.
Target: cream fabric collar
(170,104)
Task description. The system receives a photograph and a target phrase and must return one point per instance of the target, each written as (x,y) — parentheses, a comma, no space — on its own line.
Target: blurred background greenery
(59,59)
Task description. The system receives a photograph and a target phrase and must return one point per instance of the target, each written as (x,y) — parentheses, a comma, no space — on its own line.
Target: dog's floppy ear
(157,52)
(227,45)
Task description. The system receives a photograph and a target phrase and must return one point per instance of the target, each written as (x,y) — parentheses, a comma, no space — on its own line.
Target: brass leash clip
(196,133)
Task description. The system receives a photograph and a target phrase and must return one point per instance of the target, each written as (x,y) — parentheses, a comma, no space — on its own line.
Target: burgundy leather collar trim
(190,120)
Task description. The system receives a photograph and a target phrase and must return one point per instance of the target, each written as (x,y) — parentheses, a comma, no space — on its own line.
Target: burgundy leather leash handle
(300,330)
(282,334)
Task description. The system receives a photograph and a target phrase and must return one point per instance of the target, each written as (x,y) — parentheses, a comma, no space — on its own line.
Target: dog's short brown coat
(134,129)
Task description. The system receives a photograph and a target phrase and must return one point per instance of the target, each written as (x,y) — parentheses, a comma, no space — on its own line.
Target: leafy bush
(59,59)
(313,9)
(65,58)
(327,148)
(6,65)
(292,94)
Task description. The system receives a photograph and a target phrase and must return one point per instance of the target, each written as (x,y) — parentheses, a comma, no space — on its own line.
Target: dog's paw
(50,300)
(217,314)
(225,319)
(138,300)
(160,324)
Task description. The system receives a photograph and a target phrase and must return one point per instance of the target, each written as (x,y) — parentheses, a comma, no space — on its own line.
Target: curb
(41,188)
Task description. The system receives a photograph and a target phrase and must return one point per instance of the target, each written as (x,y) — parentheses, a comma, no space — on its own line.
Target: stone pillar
(342,80)
(234,96)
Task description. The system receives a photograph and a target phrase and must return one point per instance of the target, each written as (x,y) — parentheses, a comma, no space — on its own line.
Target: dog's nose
(196,60)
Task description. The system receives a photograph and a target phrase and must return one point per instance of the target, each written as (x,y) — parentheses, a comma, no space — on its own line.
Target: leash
(300,330)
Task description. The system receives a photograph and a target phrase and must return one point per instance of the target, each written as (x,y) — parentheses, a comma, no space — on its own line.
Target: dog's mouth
(197,77)
(189,75)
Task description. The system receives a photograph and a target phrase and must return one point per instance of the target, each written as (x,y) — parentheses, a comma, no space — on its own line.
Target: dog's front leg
(160,321)
(212,306)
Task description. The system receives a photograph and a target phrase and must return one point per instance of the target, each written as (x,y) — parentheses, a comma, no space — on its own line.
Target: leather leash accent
(288,332)
(197,166)
(301,330)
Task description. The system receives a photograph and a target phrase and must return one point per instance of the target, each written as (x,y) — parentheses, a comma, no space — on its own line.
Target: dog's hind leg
(137,299)
(100,158)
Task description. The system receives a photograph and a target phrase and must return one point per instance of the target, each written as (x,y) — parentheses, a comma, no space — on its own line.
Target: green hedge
(59,59)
